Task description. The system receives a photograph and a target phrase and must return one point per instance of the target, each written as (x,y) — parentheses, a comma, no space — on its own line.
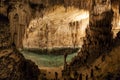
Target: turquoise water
(47,60)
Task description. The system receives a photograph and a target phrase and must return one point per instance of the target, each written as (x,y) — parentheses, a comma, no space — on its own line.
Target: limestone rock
(13,65)
(51,31)
(19,17)
(98,39)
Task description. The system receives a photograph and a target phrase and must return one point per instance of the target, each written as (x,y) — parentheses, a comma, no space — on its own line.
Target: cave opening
(58,27)
(56,33)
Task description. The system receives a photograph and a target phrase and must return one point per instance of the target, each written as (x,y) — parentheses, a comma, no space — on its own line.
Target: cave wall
(18,14)
(116,18)
(100,23)
(57,29)
(77,3)
(21,12)
(19,19)
(13,65)
(81,4)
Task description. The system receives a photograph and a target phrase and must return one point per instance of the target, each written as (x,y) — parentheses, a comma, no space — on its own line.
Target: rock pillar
(19,19)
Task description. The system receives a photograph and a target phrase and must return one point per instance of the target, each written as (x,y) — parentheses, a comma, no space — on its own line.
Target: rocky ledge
(13,66)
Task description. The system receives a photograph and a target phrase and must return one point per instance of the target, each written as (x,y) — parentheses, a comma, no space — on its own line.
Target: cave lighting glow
(83,15)
(119,23)
(57,20)
(83,18)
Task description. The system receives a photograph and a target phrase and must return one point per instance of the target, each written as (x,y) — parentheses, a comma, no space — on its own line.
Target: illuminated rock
(55,29)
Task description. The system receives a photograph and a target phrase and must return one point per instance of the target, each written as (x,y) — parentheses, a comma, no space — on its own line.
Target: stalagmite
(65,63)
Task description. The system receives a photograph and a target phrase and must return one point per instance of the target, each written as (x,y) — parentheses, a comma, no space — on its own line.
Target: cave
(60,40)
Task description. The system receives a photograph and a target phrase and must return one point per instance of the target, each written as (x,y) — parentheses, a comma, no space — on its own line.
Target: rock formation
(99,36)
(13,65)
(19,17)
(51,32)
(21,12)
